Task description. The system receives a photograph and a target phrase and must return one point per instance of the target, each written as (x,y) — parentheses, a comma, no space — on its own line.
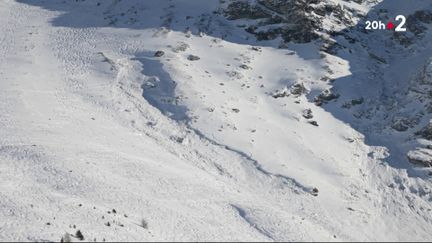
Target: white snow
(91,121)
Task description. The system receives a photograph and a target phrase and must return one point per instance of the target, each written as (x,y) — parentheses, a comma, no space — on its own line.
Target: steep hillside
(191,120)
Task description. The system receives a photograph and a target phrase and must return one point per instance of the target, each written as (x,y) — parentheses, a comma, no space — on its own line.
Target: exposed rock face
(244,10)
(281,93)
(298,21)
(424,16)
(416,21)
(298,89)
(425,132)
(353,102)
(416,25)
(421,90)
(335,26)
(402,124)
(426,73)
(325,96)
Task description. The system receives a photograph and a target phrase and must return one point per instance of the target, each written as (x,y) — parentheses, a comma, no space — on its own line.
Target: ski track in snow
(91,121)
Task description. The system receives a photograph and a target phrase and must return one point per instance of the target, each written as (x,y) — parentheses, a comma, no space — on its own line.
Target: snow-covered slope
(216,137)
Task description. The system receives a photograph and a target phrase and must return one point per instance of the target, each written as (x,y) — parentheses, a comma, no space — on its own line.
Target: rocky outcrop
(298,89)
(325,96)
(419,96)
(402,124)
(297,21)
(281,93)
(421,157)
(307,114)
(416,25)
(244,10)
(416,22)
(425,132)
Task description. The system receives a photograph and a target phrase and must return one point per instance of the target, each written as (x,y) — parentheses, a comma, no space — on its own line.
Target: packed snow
(159,120)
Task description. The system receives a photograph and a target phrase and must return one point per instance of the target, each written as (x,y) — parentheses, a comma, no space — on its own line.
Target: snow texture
(163,120)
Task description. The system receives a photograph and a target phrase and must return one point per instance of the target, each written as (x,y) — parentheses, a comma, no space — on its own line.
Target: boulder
(298,89)
(193,58)
(159,53)
(401,124)
(307,114)
(325,96)
(281,93)
(315,123)
(421,156)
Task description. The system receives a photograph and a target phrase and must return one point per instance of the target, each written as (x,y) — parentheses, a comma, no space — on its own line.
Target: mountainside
(192,120)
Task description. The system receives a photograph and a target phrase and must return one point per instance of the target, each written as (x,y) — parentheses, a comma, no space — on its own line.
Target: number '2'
(400,27)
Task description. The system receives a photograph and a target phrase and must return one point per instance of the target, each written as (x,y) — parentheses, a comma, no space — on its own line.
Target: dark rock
(400,124)
(425,132)
(66,238)
(281,93)
(428,108)
(298,89)
(244,66)
(159,53)
(144,224)
(357,101)
(193,58)
(243,10)
(315,191)
(254,48)
(325,96)
(414,25)
(315,123)
(353,103)
(424,16)
(298,21)
(79,235)
(307,114)
(379,59)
